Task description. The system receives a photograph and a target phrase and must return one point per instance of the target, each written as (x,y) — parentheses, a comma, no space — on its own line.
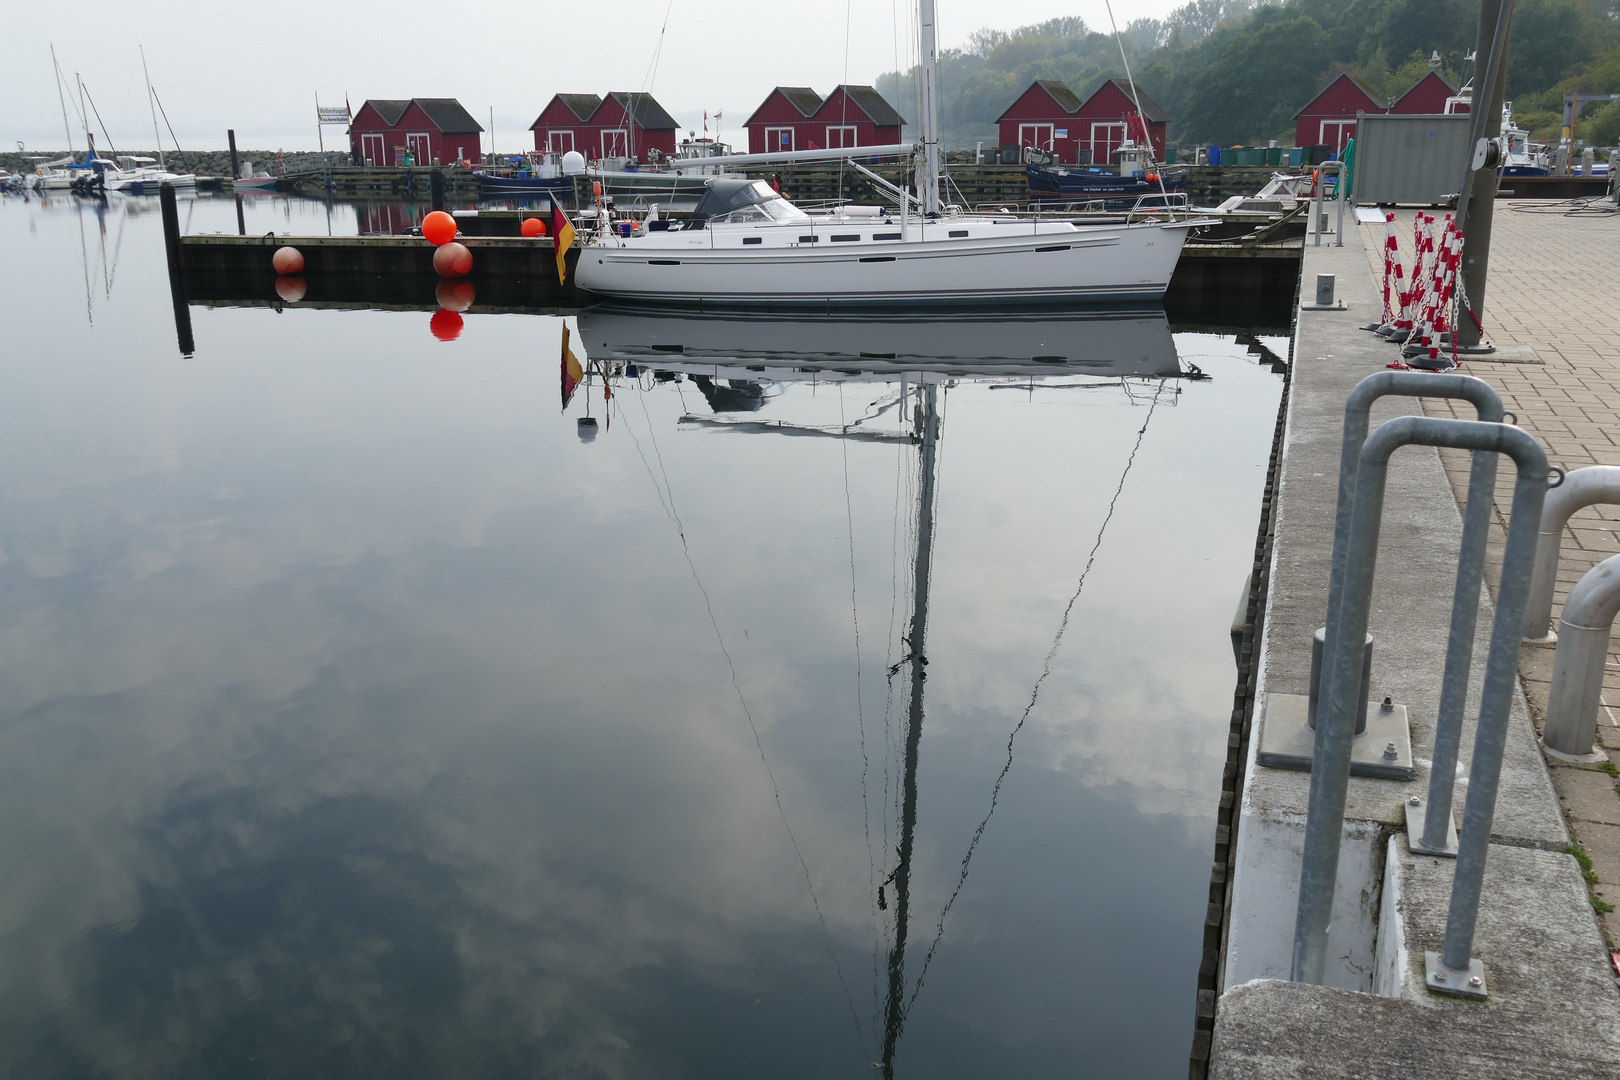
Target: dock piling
(177,289)
(436,187)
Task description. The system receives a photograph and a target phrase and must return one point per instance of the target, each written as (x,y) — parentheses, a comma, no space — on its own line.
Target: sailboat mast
(933,161)
(62,99)
(894,1016)
(159,138)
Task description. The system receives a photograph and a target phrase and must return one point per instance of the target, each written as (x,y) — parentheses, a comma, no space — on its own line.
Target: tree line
(1236,71)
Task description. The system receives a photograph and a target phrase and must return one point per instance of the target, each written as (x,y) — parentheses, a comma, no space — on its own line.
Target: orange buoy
(452,260)
(532,227)
(454,296)
(438,228)
(291,287)
(288,260)
(445,325)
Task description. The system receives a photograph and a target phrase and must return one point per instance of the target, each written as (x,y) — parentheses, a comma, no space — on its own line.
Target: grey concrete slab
(1588,795)
(1289,1031)
(1411,606)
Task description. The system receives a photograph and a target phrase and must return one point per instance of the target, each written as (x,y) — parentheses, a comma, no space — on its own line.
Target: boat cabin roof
(723,194)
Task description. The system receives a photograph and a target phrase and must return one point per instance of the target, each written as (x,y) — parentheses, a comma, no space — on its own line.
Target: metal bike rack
(1579,489)
(1583,650)
(1285,744)
(1453,970)
(1338,196)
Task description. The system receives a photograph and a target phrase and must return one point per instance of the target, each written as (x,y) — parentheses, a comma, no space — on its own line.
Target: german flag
(562,236)
(572,372)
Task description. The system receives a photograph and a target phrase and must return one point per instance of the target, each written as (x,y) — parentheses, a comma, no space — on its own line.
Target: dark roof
(1150,108)
(645,111)
(1060,93)
(389,109)
(872,104)
(806,100)
(1357,83)
(447,114)
(581,105)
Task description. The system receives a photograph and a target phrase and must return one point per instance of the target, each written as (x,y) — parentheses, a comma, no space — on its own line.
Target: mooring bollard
(1324,290)
(1583,650)
(1348,623)
(1580,488)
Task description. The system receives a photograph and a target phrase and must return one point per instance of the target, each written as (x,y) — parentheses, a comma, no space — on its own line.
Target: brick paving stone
(1550,286)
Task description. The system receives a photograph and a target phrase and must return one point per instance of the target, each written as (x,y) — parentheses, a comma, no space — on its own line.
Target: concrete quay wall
(1553,1009)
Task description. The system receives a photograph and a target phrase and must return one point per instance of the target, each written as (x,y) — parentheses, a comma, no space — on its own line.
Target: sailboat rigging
(746,245)
(806,348)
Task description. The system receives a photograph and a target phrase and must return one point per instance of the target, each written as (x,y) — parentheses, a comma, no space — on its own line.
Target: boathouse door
(559,142)
(373,150)
(1105,139)
(1336,133)
(1037,135)
(420,147)
(841,135)
(615,143)
(779,138)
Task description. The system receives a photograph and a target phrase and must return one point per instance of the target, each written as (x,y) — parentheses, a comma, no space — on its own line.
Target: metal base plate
(1464,984)
(1416,814)
(1337,305)
(1288,742)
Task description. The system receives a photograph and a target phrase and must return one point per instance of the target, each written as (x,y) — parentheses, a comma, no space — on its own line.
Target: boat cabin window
(736,201)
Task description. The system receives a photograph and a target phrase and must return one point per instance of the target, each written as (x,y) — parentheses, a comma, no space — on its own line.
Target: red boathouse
(433,131)
(1110,113)
(624,125)
(1329,118)
(798,118)
(1044,117)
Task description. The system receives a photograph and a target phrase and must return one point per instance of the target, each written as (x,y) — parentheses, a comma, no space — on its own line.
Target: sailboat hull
(1047,265)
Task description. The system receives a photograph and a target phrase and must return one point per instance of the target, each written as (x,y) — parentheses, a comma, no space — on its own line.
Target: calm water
(362,720)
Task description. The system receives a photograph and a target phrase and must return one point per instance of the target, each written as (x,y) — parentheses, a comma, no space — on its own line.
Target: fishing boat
(1132,180)
(747,245)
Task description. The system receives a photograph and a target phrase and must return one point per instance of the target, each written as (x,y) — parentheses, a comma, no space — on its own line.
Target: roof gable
(647,113)
(1433,83)
(388,110)
(1054,89)
(448,115)
(866,99)
(806,100)
(1351,85)
(1150,108)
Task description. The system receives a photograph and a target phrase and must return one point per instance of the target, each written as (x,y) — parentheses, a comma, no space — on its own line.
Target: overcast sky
(259,68)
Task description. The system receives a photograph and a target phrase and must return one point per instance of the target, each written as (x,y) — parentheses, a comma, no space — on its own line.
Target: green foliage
(1602,128)
(1264,75)
(1233,70)
(1548,40)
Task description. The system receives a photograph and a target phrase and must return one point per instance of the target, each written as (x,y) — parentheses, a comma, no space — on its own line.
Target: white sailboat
(746,245)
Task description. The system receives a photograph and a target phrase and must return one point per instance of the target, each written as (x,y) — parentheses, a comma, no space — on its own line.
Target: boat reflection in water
(1128,343)
(740,363)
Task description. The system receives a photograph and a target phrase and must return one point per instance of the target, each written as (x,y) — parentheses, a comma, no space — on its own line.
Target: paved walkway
(1552,286)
